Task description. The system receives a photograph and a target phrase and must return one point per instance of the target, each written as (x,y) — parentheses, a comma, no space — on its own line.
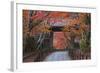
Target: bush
(85,42)
(30,44)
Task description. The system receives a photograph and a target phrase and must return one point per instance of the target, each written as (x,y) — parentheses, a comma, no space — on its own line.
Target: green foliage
(85,42)
(30,44)
(83,45)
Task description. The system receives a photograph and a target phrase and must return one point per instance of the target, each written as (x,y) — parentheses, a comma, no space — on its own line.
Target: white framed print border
(16,51)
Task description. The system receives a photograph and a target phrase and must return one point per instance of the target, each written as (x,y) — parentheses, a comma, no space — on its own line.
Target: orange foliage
(58,15)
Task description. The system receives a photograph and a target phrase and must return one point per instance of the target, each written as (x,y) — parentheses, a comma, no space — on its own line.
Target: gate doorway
(58,38)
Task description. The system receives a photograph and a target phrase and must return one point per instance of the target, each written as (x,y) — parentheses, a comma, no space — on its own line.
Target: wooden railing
(79,55)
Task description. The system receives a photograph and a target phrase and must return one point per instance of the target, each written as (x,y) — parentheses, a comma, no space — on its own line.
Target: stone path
(58,56)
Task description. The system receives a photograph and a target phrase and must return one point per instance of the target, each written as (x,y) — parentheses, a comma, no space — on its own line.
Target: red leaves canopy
(42,14)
